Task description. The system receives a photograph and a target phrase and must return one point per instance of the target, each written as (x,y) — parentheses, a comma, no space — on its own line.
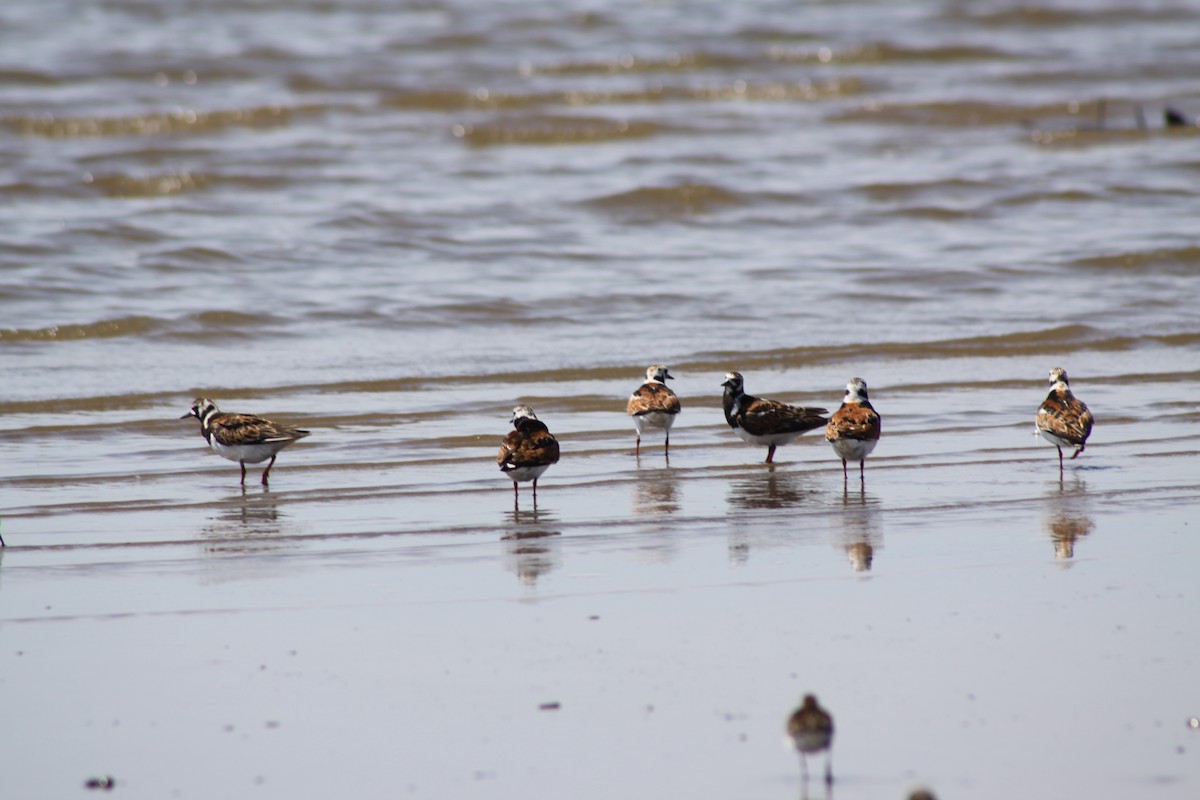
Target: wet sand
(974,625)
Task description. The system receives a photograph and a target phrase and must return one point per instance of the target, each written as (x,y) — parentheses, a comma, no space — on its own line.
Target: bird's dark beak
(189,414)
(668,376)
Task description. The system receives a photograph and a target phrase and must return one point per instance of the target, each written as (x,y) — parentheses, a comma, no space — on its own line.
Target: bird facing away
(653,406)
(766,422)
(528,450)
(854,428)
(243,438)
(811,730)
(1063,420)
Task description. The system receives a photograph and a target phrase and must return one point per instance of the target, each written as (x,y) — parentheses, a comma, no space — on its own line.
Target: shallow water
(388,225)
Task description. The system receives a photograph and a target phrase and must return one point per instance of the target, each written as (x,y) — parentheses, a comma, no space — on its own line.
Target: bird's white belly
(653,420)
(1051,439)
(766,439)
(249,453)
(854,449)
(811,742)
(526,473)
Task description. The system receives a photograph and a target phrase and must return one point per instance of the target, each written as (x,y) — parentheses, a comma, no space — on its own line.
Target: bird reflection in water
(532,545)
(656,492)
(249,522)
(860,530)
(773,491)
(762,489)
(1067,517)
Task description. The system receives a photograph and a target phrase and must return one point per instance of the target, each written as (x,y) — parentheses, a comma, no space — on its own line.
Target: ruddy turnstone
(528,450)
(768,422)
(811,730)
(853,430)
(243,438)
(1063,420)
(653,406)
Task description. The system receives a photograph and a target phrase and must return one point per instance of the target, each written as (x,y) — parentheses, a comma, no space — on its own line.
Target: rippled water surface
(389,222)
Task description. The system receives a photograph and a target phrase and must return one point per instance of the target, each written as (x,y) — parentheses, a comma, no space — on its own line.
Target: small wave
(483,99)
(911,190)
(937,213)
(494,310)
(549,130)
(1060,196)
(480,98)
(1047,342)
(218,324)
(1175,261)
(186,259)
(25,77)
(962,113)
(112,231)
(683,200)
(629,63)
(221,322)
(104,329)
(885,53)
(178,121)
(1034,16)
(1089,135)
(147,185)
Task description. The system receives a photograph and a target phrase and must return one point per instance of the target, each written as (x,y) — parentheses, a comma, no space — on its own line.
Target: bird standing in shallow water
(527,451)
(854,429)
(653,406)
(810,728)
(768,422)
(1063,420)
(243,438)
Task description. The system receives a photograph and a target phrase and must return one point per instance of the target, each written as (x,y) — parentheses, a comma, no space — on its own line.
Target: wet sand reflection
(775,490)
(656,492)
(249,522)
(532,545)
(1067,517)
(764,488)
(860,530)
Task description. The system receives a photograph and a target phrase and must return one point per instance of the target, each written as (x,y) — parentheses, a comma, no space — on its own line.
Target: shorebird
(527,451)
(243,438)
(653,406)
(854,428)
(811,730)
(1063,420)
(766,422)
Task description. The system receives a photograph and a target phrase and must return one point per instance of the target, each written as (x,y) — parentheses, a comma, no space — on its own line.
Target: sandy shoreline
(1016,635)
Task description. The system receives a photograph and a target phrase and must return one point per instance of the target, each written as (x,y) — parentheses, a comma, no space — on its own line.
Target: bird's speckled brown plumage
(855,427)
(762,417)
(241,429)
(653,397)
(242,437)
(768,422)
(853,421)
(810,728)
(530,444)
(528,450)
(654,406)
(1063,419)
